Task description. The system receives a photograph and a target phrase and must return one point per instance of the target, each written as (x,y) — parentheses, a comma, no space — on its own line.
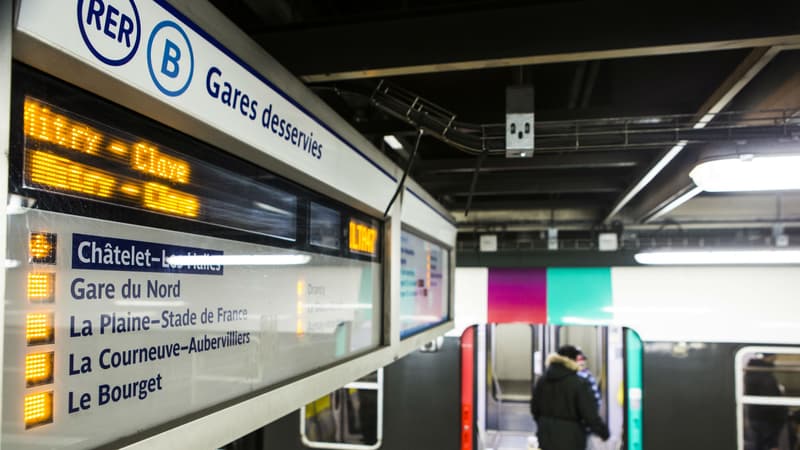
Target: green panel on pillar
(580,296)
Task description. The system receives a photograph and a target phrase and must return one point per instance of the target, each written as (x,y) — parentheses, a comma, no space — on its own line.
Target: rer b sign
(111,29)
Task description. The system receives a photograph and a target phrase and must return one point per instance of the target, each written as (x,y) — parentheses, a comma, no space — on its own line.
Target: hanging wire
(405,174)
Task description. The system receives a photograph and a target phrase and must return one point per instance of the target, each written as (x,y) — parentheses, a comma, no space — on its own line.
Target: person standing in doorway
(563,405)
(586,374)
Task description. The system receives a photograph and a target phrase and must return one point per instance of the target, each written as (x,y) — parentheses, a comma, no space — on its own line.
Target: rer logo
(110,28)
(170,59)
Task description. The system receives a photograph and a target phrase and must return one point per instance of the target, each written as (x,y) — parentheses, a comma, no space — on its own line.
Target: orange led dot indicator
(38,409)
(38,369)
(61,173)
(39,328)
(118,148)
(147,159)
(42,247)
(43,124)
(130,189)
(40,287)
(161,198)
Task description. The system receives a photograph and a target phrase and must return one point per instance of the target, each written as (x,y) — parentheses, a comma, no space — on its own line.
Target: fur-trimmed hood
(555,358)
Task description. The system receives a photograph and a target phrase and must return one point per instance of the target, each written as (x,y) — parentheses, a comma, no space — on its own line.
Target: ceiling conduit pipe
(592,134)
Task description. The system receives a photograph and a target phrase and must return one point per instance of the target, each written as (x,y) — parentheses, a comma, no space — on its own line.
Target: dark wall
(421,407)
(423,401)
(689,397)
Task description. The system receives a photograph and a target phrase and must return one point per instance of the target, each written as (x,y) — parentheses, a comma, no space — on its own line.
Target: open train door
(500,363)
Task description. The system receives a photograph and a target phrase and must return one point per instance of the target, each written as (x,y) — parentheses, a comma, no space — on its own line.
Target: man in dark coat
(563,405)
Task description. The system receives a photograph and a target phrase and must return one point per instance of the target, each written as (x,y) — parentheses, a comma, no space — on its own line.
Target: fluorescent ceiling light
(748,173)
(648,177)
(692,193)
(238,260)
(719,257)
(392,141)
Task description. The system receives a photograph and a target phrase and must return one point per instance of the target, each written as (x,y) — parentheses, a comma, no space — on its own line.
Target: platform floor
(515,425)
(506,440)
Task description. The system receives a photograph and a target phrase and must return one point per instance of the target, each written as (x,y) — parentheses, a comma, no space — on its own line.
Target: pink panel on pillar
(518,295)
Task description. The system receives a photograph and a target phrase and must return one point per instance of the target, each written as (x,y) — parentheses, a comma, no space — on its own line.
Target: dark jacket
(763,383)
(564,407)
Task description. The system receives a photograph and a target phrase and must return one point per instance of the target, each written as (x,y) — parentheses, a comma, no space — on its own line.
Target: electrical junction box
(552,238)
(607,242)
(519,122)
(488,243)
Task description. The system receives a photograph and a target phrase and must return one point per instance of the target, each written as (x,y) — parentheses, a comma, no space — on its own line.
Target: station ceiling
(629,97)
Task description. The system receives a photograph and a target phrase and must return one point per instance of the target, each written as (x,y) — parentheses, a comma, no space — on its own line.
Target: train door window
(512,362)
(350,418)
(768,397)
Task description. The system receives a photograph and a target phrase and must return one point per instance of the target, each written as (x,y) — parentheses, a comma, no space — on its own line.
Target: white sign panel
(151,46)
(122,327)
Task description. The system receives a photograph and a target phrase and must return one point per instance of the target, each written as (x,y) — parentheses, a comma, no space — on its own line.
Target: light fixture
(678,201)
(748,173)
(38,409)
(40,287)
(392,142)
(42,248)
(38,368)
(719,257)
(39,328)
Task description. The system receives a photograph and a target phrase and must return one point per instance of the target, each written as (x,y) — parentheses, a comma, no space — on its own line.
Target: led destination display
(76,156)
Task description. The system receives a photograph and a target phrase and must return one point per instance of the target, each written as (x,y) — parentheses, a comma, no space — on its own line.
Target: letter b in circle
(170,59)
(169,64)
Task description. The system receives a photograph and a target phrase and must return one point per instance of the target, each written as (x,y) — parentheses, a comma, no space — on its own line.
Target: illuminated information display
(102,178)
(78,157)
(363,238)
(117,328)
(424,284)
